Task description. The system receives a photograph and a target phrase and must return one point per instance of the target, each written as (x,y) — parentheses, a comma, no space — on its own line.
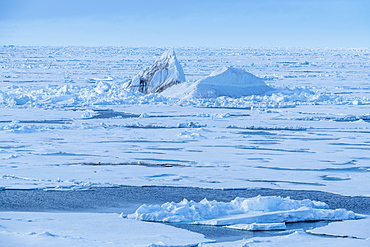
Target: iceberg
(227,81)
(165,72)
(166,76)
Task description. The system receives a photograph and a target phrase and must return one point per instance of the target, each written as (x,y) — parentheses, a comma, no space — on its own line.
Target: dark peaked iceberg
(165,72)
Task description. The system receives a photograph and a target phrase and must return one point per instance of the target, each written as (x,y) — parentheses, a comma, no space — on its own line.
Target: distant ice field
(67,123)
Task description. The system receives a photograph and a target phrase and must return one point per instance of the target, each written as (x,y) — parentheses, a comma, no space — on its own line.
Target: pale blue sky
(250,23)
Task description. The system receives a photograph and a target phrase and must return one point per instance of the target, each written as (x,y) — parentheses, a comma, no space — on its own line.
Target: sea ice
(259,226)
(88,229)
(347,229)
(311,132)
(298,238)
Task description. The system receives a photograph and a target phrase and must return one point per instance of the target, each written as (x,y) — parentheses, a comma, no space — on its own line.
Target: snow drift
(165,72)
(227,81)
(270,209)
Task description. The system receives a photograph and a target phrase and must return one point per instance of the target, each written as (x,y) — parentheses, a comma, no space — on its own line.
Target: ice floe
(265,210)
(348,229)
(259,226)
(88,229)
(297,238)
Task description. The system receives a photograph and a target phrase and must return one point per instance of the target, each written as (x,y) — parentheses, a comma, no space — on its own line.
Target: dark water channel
(127,199)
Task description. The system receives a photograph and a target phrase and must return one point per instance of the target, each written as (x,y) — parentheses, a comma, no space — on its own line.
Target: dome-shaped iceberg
(227,81)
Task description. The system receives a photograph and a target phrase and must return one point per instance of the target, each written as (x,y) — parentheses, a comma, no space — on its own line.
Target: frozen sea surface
(64,112)
(66,123)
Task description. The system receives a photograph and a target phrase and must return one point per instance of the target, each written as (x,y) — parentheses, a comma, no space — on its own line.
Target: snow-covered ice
(349,229)
(259,226)
(68,122)
(298,238)
(88,229)
(309,133)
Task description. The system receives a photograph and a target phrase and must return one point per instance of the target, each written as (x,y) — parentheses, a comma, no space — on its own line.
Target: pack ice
(166,76)
(165,72)
(258,213)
